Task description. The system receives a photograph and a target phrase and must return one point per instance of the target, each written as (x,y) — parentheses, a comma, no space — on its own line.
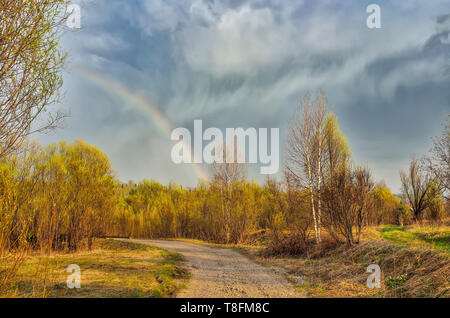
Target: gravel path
(224,273)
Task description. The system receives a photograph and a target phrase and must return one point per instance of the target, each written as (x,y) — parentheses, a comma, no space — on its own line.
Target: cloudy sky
(247,64)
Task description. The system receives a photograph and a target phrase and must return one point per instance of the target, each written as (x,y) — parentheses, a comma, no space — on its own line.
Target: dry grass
(112,269)
(342,273)
(415,268)
(218,245)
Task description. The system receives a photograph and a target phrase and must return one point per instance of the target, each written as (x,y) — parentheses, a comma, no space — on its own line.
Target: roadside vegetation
(341,271)
(111,269)
(414,262)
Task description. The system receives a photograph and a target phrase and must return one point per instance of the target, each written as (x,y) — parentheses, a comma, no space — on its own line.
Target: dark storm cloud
(248,64)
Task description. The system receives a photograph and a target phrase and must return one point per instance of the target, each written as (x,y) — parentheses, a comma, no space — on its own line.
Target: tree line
(63,195)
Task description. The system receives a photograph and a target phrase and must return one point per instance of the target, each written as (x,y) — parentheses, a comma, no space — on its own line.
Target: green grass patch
(117,245)
(439,239)
(390,228)
(436,238)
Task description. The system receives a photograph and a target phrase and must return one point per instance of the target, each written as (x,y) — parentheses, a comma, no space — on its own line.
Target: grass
(112,269)
(255,239)
(413,259)
(414,263)
(406,271)
(218,245)
(437,238)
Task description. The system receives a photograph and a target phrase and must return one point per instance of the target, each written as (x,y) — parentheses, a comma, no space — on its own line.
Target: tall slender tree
(416,185)
(439,161)
(30,67)
(305,151)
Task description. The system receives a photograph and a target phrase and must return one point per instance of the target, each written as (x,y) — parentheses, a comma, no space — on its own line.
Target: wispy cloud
(248,63)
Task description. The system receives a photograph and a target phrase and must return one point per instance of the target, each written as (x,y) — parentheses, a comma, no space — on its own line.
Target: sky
(137,69)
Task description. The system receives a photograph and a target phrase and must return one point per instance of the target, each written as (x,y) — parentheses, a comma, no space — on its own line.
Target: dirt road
(224,273)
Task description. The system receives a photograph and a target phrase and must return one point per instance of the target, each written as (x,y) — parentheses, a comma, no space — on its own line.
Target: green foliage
(397,281)
(436,205)
(31,61)
(424,236)
(60,196)
(337,142)
(387,207)
(397,284)
(390,228)
(63,195)
(401,211)
(438,239)
(117,245)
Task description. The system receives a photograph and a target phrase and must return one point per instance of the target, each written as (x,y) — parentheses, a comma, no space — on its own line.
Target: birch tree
(319,119)
(305,149)
(226,174)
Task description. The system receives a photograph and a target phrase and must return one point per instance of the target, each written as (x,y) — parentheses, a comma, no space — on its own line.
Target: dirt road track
(224,273)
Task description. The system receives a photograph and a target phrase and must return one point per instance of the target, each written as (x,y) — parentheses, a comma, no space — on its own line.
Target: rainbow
(145,106)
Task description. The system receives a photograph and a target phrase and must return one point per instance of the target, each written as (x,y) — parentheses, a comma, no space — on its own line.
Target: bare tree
(439,162)
(363,195)
(305,144)
(30,65)
(226,173)
(416,185)
(319,118)
(346,201)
